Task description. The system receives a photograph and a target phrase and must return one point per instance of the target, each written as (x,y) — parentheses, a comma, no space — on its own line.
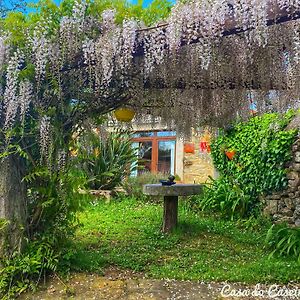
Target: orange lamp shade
(124,114)
(189,148)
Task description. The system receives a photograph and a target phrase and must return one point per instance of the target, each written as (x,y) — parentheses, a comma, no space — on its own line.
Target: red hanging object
(189,148)
(230,154)
(204,147)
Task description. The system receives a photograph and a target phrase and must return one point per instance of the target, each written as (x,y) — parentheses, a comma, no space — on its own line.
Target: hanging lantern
(124,114)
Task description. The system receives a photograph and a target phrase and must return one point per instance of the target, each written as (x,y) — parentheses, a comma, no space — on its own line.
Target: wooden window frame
(154,152)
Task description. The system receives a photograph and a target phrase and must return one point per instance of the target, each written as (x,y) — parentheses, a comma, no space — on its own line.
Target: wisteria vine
(182,67)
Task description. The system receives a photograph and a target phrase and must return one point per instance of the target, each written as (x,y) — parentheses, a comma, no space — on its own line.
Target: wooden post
(170,213)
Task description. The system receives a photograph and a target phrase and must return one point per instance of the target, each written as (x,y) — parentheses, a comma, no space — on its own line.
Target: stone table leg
(170,213)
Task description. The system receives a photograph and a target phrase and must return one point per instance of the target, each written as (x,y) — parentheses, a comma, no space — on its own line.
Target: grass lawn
(126,233)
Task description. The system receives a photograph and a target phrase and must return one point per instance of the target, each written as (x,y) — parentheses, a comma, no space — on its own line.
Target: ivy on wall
(261,148)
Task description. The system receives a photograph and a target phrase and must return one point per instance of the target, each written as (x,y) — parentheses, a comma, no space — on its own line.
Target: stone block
(296,214)
(293,175)
(287,212)
(271,208)
(285,219)
(296,202)
(294,183)
(276,196)
(291,195)
(297,157)
(289,203)
(295,166)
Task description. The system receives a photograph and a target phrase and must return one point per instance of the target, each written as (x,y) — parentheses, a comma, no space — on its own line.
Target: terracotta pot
(124,114)
(189,148)
(230,154)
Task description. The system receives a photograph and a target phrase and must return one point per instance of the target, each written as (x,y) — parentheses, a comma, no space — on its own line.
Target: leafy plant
(224,196)
(262,147)
(284,240)
(134,184)
(106,161)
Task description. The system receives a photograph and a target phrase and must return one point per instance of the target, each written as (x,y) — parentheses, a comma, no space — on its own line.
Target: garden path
(120,286)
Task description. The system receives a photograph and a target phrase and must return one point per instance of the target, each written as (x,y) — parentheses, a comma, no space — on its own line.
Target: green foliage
(134,184)
(53,201)
(20,272)
(225,197)
(262,148)
(18,24)
(106,161)
(157,11)
(284,241)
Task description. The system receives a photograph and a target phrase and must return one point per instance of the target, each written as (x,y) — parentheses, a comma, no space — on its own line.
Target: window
(156,151)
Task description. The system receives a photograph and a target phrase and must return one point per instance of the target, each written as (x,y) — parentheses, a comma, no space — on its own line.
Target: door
(166,157)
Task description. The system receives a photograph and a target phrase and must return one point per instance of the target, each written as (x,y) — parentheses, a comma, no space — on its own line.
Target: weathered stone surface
(295,166)
(285,219)
(286,212)
(293,175)
(173,190)
(296,214)
(296,201)
(297,157)
(289,203)
(91,286)
(293,184)
(271,208)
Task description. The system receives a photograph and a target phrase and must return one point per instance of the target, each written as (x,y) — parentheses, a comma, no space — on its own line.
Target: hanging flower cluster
(11,99)
(3,50)
(199,66)
(45,137)
(40,51)
(25,98)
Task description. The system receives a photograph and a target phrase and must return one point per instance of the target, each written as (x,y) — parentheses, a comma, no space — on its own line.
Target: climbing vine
(260,149)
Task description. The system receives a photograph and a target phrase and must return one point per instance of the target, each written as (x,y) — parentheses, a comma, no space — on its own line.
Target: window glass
(166,133)
(143,134)
(166,157)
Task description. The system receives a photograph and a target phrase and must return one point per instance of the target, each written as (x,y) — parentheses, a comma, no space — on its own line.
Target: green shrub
(106,161)
(262,148)
(134,184)
(225,197)
(52,221)
(284,241)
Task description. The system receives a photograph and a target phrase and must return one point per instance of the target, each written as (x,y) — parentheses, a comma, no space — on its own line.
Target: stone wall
(198,166)
(284,206)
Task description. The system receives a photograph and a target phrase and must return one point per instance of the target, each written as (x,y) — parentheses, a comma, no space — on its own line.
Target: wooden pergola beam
(275,16)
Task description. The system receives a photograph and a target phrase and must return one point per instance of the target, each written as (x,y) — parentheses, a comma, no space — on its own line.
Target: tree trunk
(170,213)
(12,205)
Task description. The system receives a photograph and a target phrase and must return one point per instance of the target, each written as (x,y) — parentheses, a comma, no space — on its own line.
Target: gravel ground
(125,285)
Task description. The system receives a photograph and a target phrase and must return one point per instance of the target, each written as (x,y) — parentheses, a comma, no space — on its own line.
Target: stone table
(170,194)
